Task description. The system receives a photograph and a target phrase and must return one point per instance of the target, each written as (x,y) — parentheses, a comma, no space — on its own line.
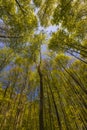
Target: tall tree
(43,76)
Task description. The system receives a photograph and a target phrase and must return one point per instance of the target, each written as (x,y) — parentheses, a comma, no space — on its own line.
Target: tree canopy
(43,76)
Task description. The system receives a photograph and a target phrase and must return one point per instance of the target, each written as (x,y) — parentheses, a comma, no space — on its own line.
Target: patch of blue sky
(48,30)
(1,45)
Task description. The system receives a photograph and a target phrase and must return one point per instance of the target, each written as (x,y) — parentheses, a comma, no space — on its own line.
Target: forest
(43,64)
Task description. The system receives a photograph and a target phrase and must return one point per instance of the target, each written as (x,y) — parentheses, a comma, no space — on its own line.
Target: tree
(40,92)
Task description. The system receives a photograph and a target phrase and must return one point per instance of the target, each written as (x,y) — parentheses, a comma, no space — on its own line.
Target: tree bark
(41,122)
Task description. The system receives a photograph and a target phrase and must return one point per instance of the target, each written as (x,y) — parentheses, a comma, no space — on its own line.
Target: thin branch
(20,6)
(3,36)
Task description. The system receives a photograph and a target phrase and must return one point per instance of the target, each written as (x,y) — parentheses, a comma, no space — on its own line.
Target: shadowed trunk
(41,122)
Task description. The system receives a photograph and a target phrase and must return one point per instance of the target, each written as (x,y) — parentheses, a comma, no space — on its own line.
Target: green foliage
(37,92)
(37,3)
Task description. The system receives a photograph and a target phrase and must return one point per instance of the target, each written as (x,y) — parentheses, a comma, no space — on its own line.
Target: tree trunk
(55,106)
(41,122)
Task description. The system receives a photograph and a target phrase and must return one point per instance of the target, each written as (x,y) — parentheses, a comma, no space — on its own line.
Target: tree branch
(3,36)
(20,6)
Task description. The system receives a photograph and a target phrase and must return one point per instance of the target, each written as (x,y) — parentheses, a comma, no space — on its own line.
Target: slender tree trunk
(61,104)
(41,122)
(75,79)
(50,112)
(55,106)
